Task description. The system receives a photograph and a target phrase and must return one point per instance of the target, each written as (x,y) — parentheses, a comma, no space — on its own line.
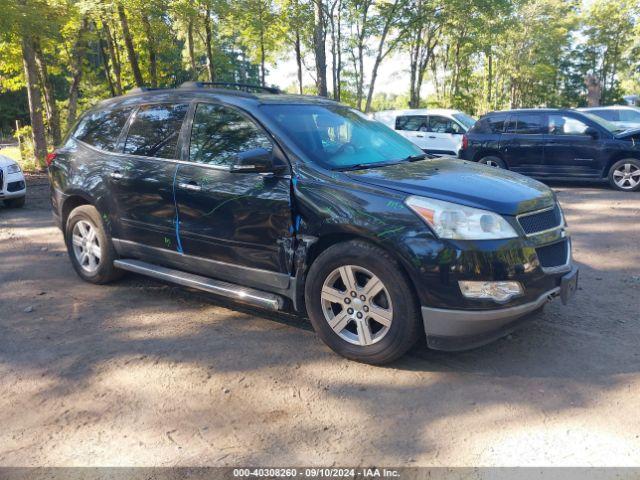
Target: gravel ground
(146,374)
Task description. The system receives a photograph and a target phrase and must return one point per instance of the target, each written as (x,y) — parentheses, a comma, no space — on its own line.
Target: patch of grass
(27,164)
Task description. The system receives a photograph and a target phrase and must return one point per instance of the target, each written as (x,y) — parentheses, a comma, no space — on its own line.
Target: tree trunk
(299,60)
(115,58)
(151,50)
(105,62)
(208,40)
(78,54)
(192,55)
(319,36)
(35,101)
(53,116)
(131,51)
(490,79)
(338,93)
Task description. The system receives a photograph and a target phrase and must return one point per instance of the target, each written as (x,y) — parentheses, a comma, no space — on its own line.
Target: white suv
(436,131)
(13,188)
(623,116)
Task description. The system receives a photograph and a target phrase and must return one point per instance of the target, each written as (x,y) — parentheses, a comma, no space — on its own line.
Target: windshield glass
(338,137)
(465,119)
(604,123)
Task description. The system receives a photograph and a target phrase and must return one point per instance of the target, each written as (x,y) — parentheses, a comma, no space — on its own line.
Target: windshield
(465,119)
(338,137)
(611,127)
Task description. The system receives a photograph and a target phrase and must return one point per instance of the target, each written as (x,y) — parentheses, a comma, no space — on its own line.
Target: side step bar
(236,292)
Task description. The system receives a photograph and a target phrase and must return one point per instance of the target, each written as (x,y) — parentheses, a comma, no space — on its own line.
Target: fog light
(498,291)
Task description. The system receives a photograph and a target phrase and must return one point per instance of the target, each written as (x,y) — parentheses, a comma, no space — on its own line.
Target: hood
(6,161)
(631,132)
(463,182)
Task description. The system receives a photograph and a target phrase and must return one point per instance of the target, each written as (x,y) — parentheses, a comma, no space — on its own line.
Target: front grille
(15,186)
(554,255)
(541,221)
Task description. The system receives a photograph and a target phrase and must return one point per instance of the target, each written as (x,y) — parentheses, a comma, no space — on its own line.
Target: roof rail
(232,86)
(141,89)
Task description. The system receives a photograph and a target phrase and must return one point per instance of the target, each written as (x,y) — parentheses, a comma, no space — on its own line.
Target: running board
(236,292)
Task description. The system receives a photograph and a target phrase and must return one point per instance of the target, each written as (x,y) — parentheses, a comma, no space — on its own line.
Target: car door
(415,128)
(239,223)
(573,148)
(523,143)
(444,135)
(142,177)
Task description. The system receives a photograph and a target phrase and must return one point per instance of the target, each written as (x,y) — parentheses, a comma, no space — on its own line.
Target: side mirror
(256,160)
(592,132)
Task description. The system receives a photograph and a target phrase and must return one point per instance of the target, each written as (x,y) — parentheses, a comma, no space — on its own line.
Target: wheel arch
(485,152)
(335,237)
(71,202)
(616,157)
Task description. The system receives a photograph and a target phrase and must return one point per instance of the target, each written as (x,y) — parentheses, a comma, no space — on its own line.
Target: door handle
(431,136)
(116,175)
(190,186)
(419,136)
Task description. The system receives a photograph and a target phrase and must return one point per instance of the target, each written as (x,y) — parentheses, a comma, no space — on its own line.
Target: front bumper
(453,330)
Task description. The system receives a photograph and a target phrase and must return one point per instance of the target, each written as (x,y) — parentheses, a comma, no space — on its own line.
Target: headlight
(458,222)
(13,168)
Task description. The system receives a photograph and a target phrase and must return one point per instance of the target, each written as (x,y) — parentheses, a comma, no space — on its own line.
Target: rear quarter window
(489,124)
(101,129)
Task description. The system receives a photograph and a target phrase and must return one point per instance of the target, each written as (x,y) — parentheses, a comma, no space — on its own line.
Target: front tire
(361,304)
(15,202)
(89,246)
(493,161)
(625,175)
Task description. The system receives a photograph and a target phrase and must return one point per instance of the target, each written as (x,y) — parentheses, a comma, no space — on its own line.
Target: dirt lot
(143,373)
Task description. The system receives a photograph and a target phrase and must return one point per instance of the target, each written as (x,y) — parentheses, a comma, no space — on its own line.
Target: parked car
(301,203)
(623,116)
(435,131)
(13,188)
(556,144)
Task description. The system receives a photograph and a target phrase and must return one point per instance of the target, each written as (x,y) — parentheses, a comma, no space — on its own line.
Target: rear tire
(493,161)
(374,312)
(625,175)
(15,202)
(89,246)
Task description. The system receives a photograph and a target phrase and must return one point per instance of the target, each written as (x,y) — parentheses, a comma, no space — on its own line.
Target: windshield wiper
(363,166)
(419,156)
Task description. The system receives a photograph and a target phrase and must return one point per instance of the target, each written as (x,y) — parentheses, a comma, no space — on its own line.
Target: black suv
(294,202)
(556,144)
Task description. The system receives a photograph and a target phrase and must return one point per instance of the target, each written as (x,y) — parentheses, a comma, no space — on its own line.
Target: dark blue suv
(300,203)
(556,144)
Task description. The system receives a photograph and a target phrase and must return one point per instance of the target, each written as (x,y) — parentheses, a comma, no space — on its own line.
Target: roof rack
(245,87)
(141,89)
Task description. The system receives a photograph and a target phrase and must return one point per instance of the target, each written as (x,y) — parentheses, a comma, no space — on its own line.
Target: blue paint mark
(295,181)
(298,220)
(176,221)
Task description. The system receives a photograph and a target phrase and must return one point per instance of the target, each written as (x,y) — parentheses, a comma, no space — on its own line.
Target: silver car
(623,116)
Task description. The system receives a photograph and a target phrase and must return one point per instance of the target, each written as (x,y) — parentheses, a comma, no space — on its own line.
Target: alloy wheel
(356,305)
(627,176)
(86,246)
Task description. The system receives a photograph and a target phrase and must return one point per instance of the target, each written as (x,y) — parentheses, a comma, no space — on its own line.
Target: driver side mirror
(592,132)
(256,160)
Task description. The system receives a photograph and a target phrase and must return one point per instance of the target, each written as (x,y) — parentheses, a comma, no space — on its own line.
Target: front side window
(219,133)
(339,137)
(628,115)
(155,130)
(443,125)
(564,125)
(102,129)
(412,123)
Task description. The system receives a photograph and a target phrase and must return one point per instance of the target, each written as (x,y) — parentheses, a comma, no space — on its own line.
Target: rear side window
(219,133)
(412,123)
(611,115)
(155,130)
(102,129)
(490,124)
(525,124)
